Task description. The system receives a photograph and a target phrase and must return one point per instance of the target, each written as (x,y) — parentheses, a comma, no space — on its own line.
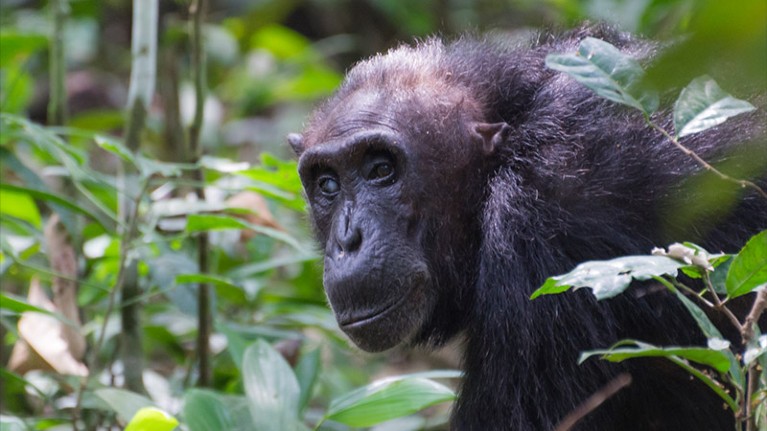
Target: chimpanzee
(447,180)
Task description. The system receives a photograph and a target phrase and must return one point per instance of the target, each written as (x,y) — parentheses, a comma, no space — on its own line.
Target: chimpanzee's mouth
(359,321)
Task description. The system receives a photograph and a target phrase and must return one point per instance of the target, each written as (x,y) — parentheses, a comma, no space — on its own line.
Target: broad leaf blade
(387,399)
(307,371)
(703,104)
(152,419)
(748,269)
(206,410)
(608,278)
(271,387)
(125,403)
(607,71)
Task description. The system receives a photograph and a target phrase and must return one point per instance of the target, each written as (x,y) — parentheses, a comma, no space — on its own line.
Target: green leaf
(115,147)
(607,71)
(15,46)
(53,199)
(235,344)
(206,410)
(19,204)
(608,278)
(271,388)
(151,419)
(149,167)
(17,305)
(704,323)
(387,399)
(205,278)
(712,358)
(702,105)
(46,140)
(208,222)
(748,269)
(125,403)
(708,329)
(307,370)
(277,179)
(33,181)
(282,42)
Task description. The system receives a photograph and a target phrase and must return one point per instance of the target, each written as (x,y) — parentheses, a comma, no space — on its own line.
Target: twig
(760,304)
(705,164)
(594,401)
(748,333)
(719,305)
(197,12)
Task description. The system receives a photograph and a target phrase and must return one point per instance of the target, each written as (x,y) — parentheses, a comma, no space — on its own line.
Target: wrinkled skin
(382,230)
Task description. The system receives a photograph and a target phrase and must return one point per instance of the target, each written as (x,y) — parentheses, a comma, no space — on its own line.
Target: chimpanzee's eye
(381,170)
(328,185)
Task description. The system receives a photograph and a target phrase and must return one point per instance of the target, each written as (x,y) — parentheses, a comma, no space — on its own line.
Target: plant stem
(760,304)
(747,333)
(57,104)
(705,164)
(719,305)
(197,12)
(143,76)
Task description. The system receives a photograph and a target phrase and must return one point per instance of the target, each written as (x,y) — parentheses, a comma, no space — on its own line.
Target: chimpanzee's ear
(296,142)
(489,136)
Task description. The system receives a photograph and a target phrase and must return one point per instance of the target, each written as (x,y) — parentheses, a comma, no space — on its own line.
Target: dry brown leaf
(259,211)
(42,344)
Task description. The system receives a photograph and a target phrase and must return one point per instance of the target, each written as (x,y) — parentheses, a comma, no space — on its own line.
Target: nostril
(355,239)
(350,240)
(348,236)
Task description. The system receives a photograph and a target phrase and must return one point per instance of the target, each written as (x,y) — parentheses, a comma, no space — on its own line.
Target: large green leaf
(389,398)
(748,269)
(152,419)
(236,344)
(307,370)
(19,204)
(702,105)
(271,388)
(607,71)
(206,410)
(608,278)
(125,403)
(712,358)
(53,199)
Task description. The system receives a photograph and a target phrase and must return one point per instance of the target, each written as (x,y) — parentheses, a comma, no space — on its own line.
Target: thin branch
(720,306)
(197,12)
(705,164)
(760,303)
(594,401)
(125,245)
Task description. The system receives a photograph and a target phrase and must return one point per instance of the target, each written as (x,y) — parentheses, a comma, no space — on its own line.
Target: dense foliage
(155,262)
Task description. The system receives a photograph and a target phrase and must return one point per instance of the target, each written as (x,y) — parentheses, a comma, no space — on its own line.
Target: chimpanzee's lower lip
(356,322)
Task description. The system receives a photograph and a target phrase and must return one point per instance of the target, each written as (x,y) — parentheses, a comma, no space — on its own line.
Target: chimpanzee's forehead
(367,109)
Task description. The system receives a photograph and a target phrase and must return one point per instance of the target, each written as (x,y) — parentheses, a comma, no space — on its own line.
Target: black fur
(569,177)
